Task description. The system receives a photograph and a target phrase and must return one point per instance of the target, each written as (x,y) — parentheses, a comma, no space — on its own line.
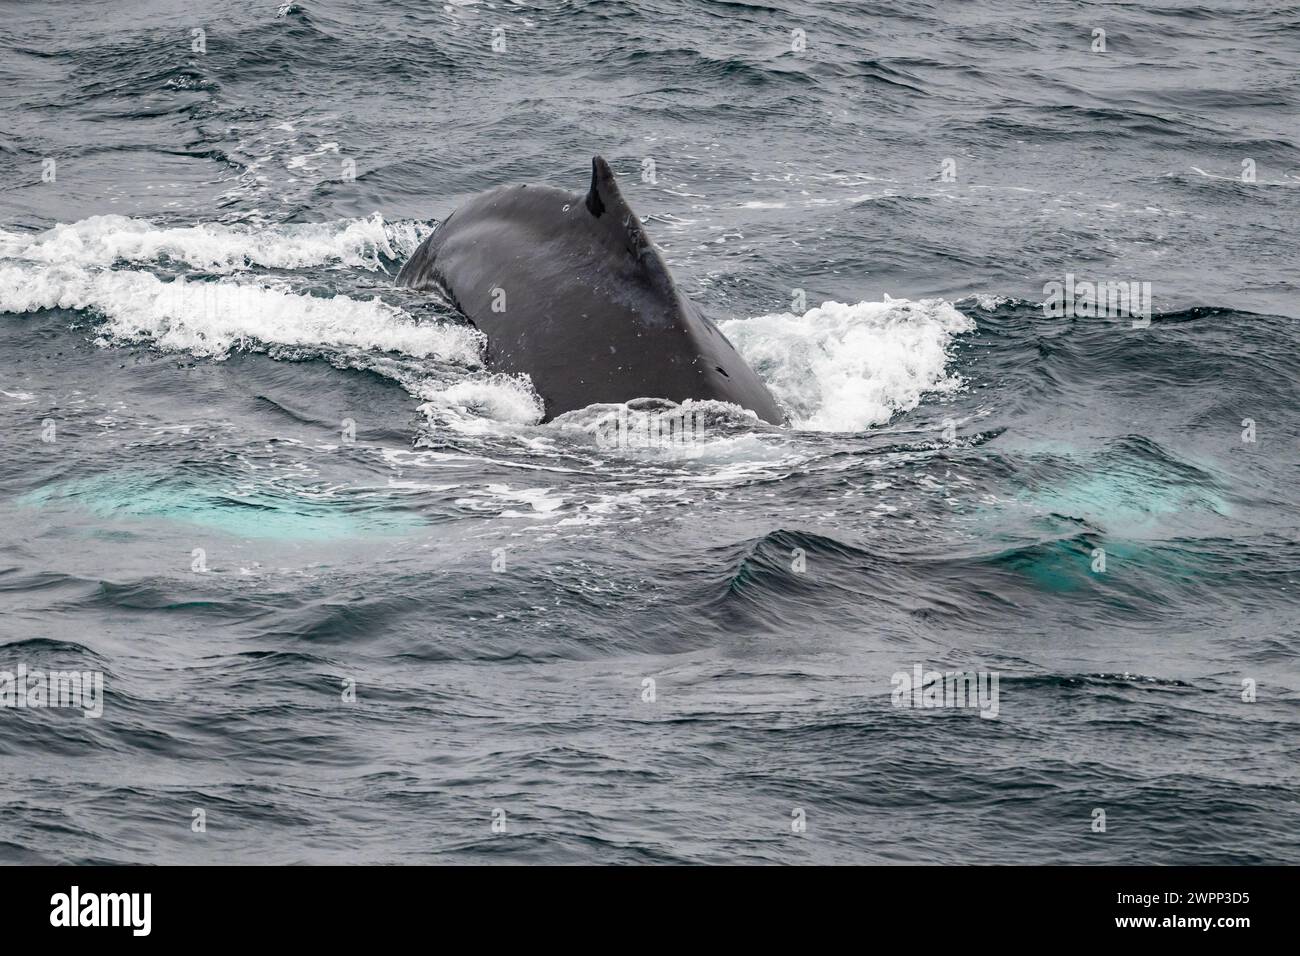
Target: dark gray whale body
(569,289)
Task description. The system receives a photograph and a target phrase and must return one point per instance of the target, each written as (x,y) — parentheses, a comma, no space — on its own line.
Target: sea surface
(350,601)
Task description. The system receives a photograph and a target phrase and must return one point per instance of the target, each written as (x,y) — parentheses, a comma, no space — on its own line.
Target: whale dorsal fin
(603,195)
(605,202)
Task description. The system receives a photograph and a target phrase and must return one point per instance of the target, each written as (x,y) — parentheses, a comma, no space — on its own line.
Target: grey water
(350,601)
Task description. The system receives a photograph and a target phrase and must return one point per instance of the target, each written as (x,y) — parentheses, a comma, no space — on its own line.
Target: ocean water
(351,602)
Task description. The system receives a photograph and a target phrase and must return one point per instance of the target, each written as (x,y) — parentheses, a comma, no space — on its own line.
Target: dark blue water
(351,602)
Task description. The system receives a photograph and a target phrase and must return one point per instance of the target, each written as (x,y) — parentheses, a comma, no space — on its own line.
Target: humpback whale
(570,290)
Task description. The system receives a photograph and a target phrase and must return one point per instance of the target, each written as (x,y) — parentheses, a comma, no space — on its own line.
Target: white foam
(693,430)
(844,367)
(210,318)
(838,367)
(986,301)
(492,498)
(217,247)
(465,405)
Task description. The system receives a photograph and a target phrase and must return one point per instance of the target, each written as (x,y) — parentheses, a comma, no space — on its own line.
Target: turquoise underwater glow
(265,513)
(1132,507)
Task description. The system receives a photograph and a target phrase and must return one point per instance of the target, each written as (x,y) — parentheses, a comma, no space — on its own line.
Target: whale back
(569,289)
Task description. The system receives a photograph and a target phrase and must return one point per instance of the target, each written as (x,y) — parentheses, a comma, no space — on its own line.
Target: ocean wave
(220,248)
(465,404)
(841,367)
(210,319)
(838,367)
